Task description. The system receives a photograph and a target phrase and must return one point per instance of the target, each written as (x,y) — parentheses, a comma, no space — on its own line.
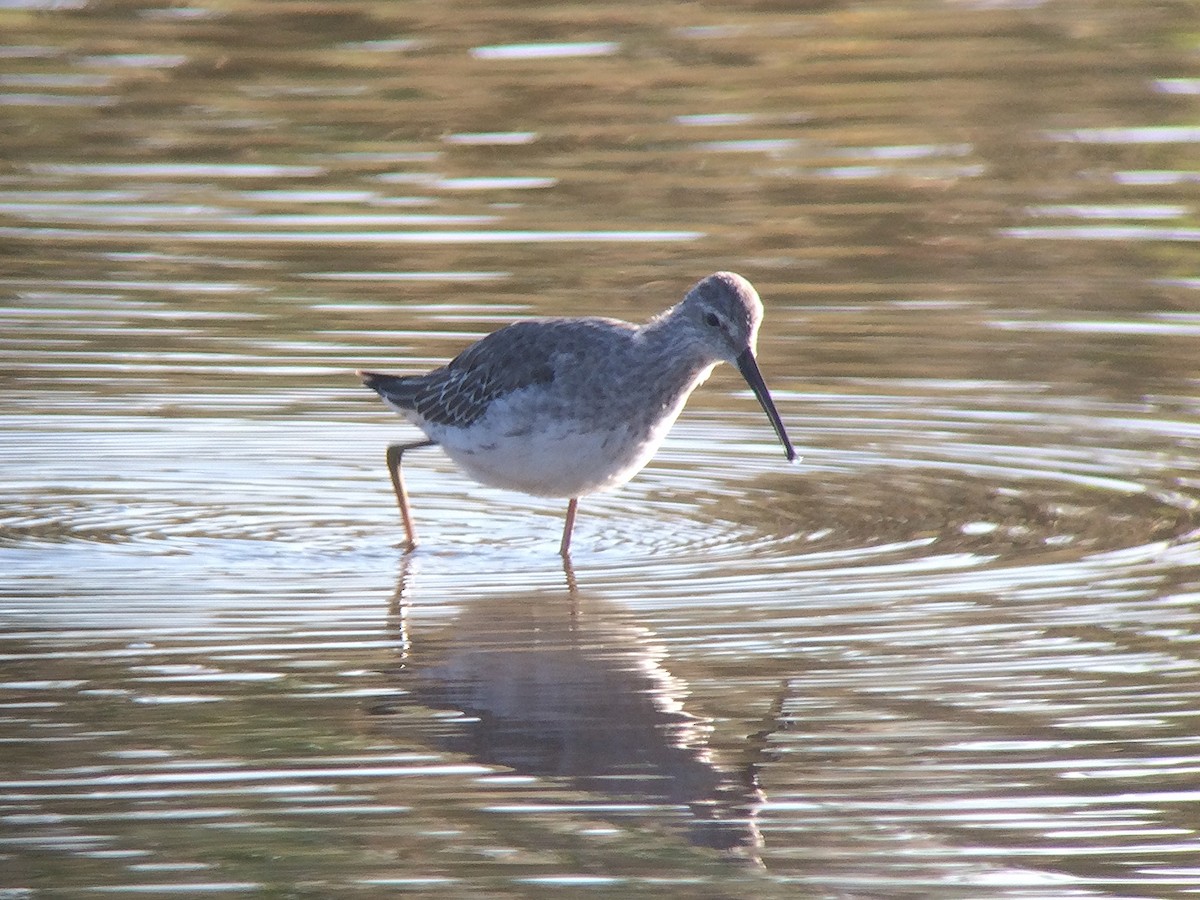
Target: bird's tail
(398,391)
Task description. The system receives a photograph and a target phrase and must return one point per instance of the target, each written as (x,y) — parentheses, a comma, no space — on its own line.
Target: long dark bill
(748,366)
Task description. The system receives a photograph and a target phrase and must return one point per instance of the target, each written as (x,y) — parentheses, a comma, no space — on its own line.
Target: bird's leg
(565,547)
(394,452)
(572,587)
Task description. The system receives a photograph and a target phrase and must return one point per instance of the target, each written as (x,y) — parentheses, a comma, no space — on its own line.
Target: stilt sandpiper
(568,407)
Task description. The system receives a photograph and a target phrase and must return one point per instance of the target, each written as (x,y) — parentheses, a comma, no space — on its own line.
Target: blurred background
(952,652)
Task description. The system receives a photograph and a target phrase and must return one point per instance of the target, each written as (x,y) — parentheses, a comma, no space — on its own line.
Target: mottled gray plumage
(517,356)
(566,407)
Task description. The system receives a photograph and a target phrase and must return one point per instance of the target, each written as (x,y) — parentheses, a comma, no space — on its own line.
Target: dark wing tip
(376,381)
(398,391)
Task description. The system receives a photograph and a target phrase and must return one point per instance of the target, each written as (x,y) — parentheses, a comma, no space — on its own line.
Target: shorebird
(569,407)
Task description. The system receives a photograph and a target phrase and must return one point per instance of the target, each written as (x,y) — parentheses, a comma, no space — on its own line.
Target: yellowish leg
(394,452)
(565,547)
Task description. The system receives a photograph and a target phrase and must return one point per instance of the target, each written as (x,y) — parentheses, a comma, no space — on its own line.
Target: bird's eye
(711,320)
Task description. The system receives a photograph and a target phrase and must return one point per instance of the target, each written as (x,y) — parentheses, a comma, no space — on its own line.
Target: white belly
(551,457)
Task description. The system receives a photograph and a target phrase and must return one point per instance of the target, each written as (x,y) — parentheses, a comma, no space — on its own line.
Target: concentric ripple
(878,482)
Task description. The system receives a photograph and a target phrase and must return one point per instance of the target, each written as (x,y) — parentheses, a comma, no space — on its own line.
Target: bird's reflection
(564,685)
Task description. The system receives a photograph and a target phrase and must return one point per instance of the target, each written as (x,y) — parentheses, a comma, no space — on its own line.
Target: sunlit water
(951,652)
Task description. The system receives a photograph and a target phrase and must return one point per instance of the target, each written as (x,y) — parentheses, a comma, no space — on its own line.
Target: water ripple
(967,496)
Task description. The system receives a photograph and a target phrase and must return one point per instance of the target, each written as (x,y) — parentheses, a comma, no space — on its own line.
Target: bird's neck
(683,363)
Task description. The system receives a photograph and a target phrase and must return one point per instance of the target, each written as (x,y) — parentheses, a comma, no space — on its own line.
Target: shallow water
(949,653)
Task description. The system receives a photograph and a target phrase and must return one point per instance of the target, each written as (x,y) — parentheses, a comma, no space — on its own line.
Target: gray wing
(517,356)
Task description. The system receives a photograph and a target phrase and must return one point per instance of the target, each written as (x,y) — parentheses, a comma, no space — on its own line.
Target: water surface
(951,653)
